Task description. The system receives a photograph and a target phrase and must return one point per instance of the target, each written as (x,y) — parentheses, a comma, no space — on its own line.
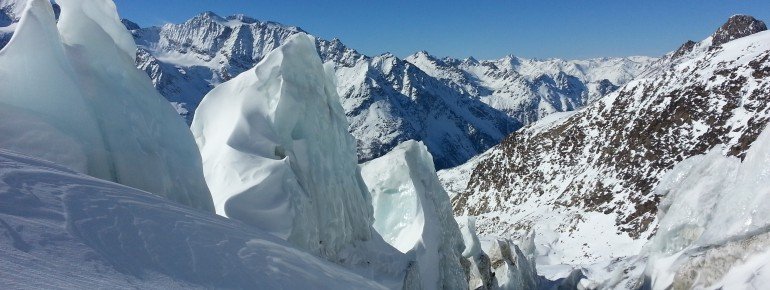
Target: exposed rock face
(593,173)
(736,27)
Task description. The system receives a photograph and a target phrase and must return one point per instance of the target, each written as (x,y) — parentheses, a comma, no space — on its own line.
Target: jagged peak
(686,48)
(130,25)
(423,54)
(471,59)
(737,26)
(242,18)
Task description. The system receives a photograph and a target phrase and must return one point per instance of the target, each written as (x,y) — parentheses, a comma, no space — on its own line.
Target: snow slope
(387,100)
(277,155)
(64,230)
(412,213)
(593,174)
(71,95)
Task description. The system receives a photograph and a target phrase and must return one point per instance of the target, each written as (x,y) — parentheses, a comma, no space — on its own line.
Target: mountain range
(458,108)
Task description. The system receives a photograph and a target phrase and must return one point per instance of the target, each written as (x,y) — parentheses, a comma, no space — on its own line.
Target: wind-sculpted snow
(277,155)
(593,173)
(412,212)
(387,100)
(64,230)
(75,81)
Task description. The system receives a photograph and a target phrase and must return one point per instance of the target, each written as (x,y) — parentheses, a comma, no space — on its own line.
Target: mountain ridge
(388,100)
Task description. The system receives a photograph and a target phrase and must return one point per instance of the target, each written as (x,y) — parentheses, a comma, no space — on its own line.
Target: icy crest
(274,142)
(277,155)
(77,83)
(714,220)
(412,212)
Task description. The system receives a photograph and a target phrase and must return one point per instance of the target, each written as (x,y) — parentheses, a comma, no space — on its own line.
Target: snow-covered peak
(736,27)
(242,18)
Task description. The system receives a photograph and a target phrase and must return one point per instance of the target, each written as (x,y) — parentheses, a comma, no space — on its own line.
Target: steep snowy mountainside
(277,155)
(88,107)
(64,230)
(455,179)
(528,89)
(594,173)
(387,100)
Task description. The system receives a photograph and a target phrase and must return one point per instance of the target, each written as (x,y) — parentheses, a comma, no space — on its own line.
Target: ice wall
(495,263)
(412,212)
(714,221)
(76,82)
(277,155)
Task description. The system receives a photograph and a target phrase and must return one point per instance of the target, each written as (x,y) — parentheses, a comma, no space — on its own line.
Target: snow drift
(63,230)
(71,95)
(277,155)
(412,212)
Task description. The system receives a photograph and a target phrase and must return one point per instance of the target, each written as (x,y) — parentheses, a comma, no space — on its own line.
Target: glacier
(715,222)
(277,155)
(76,82)
(60,229)
(412,212)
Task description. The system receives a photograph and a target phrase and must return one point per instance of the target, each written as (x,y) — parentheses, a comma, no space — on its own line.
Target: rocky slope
(592,174)
(387,100)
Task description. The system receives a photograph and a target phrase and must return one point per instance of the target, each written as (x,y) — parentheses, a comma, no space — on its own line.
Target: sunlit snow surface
(63,230)
(412,212)
(70,94)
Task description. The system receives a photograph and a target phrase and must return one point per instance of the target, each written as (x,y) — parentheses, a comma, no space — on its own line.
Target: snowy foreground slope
(387,100)
(412,212)
(594,174)
(64,230)
(277,155)
(70,94)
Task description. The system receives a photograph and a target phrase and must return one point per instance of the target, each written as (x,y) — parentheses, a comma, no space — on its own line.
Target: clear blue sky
(483,28)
